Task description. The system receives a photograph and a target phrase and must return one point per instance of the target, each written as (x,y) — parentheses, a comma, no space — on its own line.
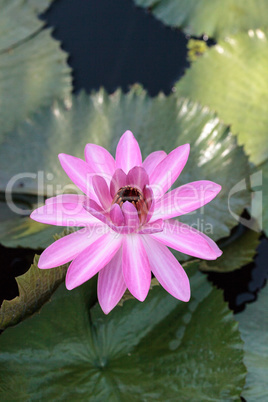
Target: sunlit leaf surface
(216,19)
(232,78)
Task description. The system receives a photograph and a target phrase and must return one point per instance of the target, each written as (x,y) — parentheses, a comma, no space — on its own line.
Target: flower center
(134,196)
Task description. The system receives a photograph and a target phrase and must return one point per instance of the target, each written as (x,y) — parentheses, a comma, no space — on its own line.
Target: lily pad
(35,288)
(26,233)
(39,6)
(33,68)
(161,349)
(253,324)
(18,20)
(265,197)
(158,123)
(260,196)
(232,79)
(237,252)
(216,19)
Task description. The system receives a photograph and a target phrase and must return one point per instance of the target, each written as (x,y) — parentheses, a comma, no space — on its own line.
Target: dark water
(113,44)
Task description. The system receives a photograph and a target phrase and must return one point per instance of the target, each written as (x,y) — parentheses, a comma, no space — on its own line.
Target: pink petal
(92,259)
(100,161)
(68,247)
(94,209)
(167,269)
(63,214)
(102,192)
(168,170)
(149,196)
(187,240)
(154,227)
(130,215)
(137,177)
(117,216)
(119,180)
(67,198)
(185,199)
(111,284)
(153,160)
(136,268)
(128,153)
(79,172)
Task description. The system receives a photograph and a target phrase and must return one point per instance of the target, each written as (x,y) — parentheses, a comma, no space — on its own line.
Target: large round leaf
(253,324)
(158,123)
(232,78)
(161,349)
(33,69)
(217,18)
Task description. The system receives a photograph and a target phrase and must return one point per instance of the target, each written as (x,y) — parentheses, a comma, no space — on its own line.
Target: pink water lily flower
(126,215)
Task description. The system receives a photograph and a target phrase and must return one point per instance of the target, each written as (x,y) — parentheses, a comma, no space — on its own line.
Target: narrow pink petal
(94,209)
(136,268)
(67,198)
(187,240)
(167,269)
(111,283)
(92,259)
(154,227)
(130,215)
(153,160)
(100,161)
(149,197)
(63,214)
(128,153)
(68,247)
(137,177)
(117,216)
(79,172)
(185,199)
(119,180)
(102,192)
(168,170)
(211,243)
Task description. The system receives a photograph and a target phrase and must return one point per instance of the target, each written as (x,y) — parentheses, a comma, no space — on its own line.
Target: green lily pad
(253,324)
(216,19)
(260,196)
(39,6)
(158,123)
(232,79)
(18,230)
(161,349)
(33,68)
(35,288)
(265,197)
(18,21)
(26,233)
(237,252)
